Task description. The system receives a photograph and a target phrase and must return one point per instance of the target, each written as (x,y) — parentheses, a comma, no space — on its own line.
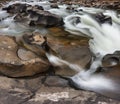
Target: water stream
(105,39)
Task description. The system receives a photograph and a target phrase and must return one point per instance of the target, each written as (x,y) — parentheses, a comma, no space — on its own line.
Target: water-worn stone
(111,59)
(18,62)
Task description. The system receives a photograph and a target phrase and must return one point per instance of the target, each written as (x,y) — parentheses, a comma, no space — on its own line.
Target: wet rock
(75,54)
(111,59)
(72,49)
(103,19)
(34,15)
(47,19)
(19,62)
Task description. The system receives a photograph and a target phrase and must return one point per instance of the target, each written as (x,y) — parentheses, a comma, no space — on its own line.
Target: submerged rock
(19,62)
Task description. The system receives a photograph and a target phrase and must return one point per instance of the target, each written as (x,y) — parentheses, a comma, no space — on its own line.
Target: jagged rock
(19,62)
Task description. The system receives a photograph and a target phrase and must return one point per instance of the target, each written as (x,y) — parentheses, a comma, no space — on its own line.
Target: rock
(33,91)
(18,90)
(34,15)
(103,19)
(72,49)
(14,96)
(64,49)
(16,8)
(19,62)
(111,59)
(46,19)
(54,6)
(55,81)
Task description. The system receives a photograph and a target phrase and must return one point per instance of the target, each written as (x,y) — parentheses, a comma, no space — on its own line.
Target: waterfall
(104,39)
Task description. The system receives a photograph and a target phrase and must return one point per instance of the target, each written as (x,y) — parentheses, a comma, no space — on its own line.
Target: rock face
(16,61)
(34,15)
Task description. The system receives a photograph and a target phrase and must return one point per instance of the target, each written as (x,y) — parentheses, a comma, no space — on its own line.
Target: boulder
(16,61)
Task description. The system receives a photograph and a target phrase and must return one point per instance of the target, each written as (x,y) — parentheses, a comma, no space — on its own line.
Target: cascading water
(104,39)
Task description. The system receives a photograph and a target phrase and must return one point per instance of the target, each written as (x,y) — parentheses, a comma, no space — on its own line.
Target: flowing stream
(104,39)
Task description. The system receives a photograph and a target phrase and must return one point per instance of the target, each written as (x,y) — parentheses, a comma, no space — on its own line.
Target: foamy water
(105,39)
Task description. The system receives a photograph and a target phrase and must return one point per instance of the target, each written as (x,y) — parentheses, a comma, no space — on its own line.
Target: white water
(56,61)
(105,39)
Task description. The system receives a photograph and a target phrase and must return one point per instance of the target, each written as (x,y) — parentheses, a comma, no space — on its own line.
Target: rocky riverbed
(26,74)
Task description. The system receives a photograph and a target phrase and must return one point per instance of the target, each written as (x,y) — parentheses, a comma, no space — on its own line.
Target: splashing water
(105,39)
(56,61)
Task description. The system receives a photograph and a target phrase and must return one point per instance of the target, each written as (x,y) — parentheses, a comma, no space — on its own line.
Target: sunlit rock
(19,62)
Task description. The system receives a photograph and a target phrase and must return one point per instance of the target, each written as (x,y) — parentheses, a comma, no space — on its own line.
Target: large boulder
(16,61)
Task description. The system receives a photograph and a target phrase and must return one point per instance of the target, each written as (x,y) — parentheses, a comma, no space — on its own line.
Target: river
(101,27)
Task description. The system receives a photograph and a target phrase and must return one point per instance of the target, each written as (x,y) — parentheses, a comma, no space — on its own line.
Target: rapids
(104,39)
